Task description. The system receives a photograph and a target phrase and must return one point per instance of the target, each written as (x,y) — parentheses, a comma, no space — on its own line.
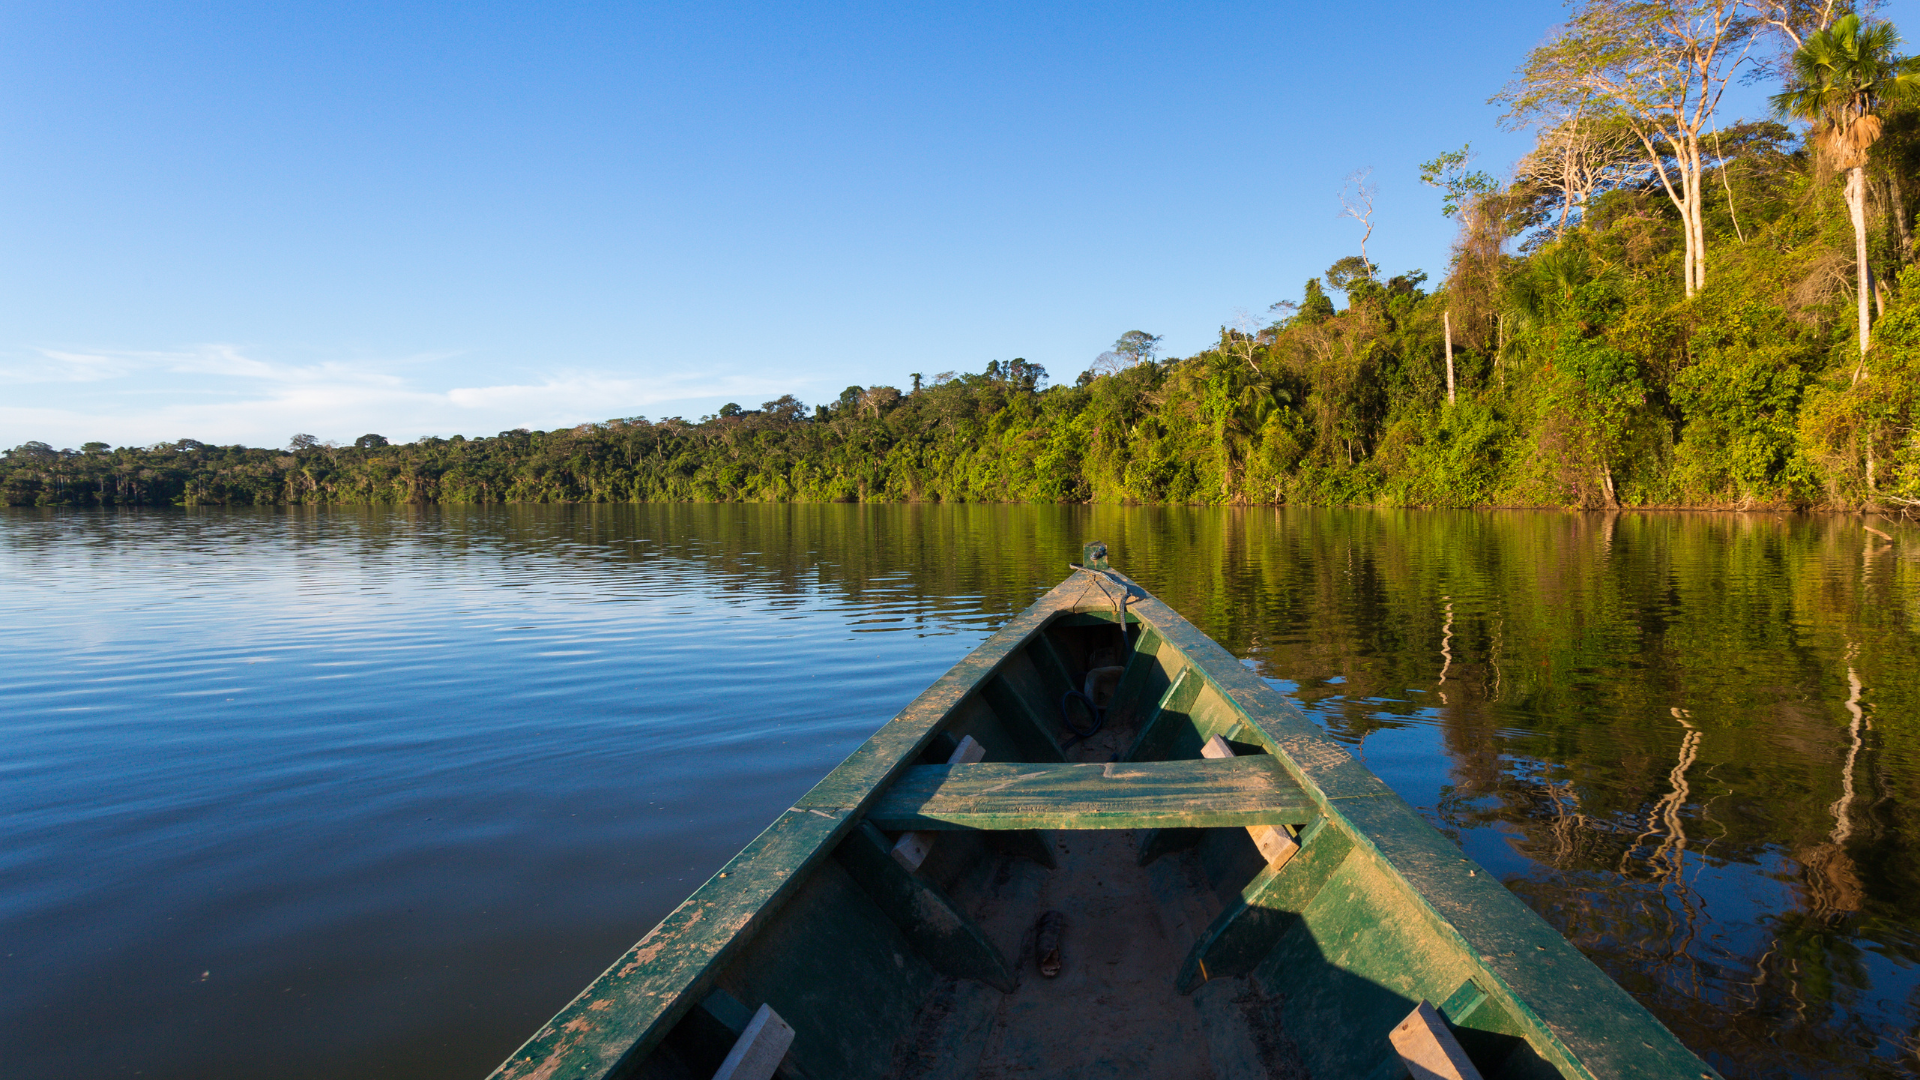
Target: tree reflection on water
(1684,739)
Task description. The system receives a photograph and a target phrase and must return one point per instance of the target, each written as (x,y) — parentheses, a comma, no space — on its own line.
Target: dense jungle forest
(1660,306)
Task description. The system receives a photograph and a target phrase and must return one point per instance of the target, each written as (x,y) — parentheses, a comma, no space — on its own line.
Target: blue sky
(234,222)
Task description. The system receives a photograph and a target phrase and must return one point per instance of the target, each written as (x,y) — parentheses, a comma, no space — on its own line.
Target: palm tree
(1842,77)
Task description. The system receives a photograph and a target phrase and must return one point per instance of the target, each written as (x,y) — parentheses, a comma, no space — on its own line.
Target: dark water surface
(372,793)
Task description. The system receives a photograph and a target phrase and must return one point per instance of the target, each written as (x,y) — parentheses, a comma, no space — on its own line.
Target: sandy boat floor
(1114,1010)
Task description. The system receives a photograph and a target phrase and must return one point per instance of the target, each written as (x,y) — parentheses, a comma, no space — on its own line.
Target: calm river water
(372,793)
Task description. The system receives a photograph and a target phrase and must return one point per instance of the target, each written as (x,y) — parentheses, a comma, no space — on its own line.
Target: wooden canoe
(1235,896)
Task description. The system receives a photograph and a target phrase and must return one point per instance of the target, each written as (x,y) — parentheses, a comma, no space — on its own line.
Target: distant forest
(1660,307)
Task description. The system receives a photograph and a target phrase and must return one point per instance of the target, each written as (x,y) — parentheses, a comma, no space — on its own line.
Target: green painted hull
(1188,954)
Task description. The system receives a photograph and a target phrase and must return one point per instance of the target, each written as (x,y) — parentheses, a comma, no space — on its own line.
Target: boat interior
(1154,912)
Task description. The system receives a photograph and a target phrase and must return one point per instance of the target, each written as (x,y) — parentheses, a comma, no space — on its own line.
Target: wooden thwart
(1248,791)
(1428,1048)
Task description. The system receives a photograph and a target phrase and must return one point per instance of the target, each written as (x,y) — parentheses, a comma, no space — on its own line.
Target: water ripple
(318,793)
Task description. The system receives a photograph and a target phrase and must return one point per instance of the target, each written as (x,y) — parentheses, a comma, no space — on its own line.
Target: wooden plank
(1463,1003)
(1096,617)
(1143,684)
(913,848)
(1276,844)
(938,929)
(759,1049)
(1489,1034)
(1428,1049)
(1243,934)
(1252,790)
(1163,726)
(1033,732)
(1052,666)
(707,1034)
(1024,843)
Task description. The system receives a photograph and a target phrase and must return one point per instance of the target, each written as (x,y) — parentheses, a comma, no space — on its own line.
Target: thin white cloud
(573,389)
(56,366)
(226,394)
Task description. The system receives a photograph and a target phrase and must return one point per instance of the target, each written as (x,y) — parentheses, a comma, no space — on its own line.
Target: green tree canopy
(1349,270)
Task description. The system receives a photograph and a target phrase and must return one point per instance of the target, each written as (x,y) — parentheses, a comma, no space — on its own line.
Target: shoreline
(1894,515)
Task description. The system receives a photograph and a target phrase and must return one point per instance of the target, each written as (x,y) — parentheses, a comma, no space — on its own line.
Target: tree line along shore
(1660,307)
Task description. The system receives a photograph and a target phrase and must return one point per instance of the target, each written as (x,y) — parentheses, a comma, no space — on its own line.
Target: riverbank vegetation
(1661,306)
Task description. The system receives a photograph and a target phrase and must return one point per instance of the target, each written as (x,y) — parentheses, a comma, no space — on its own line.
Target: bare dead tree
(1579,152)
(1356,202)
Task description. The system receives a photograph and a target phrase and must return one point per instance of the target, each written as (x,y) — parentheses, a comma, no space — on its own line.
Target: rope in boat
(1100,578)
(1066,717)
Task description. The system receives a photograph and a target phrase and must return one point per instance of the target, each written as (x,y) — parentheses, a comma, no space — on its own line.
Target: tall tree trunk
(1697,193)
(1696,238)
(1897,201)
(1692,195)
(1685,197)
(1870,492)
(1447,318)
(1863,281)
(1686,227)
